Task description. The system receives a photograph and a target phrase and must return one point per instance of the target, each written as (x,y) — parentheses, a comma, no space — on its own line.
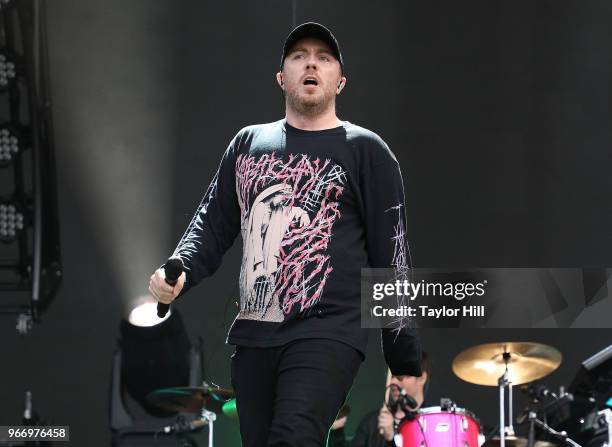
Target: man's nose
(311,62)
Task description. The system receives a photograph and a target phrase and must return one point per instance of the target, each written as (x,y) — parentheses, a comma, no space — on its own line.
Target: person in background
(379,428)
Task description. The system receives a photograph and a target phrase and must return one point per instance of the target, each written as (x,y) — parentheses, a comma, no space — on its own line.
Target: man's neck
(326,120)
(420,398)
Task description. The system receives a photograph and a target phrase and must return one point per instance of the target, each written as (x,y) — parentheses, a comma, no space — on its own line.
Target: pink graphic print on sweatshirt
(288,208)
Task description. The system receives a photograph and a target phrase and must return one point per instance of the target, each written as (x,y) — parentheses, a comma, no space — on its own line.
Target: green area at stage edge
(229,409)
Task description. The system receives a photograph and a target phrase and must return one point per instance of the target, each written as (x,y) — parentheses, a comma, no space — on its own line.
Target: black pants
(290,395)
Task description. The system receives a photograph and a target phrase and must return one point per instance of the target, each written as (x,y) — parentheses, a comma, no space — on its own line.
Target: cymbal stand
(210,417)
(533,421)
(503,383)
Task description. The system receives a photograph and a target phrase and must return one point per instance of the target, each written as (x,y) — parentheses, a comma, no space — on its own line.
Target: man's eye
(297,56)
(324,58)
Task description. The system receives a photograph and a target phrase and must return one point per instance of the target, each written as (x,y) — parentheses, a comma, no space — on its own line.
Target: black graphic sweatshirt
(313,208)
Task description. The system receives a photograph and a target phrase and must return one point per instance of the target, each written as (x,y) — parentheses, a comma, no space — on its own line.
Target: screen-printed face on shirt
(310,76)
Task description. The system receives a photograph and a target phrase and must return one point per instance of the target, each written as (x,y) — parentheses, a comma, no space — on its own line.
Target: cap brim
(314,30)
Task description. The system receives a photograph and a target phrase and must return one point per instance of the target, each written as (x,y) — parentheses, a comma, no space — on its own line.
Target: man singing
(315,199)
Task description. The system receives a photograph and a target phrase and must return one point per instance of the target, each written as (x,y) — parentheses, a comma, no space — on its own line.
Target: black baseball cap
(316,30)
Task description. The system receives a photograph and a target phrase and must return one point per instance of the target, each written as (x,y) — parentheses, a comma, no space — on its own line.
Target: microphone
(407,402)
(173,269)
(538,392)
(400,400)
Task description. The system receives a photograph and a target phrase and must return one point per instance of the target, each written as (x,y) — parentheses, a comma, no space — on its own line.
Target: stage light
(145,315)
(155,354)
(9,144)
(8,70)
(11,222)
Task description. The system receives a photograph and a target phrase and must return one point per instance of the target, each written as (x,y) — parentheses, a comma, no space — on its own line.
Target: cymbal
(485,364)
(191,399)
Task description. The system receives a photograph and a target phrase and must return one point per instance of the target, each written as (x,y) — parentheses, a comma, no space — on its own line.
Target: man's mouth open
(310,81)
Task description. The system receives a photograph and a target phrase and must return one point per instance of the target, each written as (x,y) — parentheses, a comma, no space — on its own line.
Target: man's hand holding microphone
(166,283)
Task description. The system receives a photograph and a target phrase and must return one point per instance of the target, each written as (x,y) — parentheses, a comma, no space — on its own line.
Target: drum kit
(502,365)
(207,401)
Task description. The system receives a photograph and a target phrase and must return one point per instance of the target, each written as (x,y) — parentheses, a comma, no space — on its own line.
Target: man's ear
(279,80)
(423,378)
(341,85)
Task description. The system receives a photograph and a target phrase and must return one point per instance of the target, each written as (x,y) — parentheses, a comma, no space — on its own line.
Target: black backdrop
(499,113)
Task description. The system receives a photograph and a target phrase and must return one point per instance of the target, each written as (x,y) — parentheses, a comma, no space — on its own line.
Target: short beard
(309,109)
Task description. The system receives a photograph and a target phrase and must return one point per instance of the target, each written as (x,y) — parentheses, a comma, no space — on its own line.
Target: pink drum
(433,427)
